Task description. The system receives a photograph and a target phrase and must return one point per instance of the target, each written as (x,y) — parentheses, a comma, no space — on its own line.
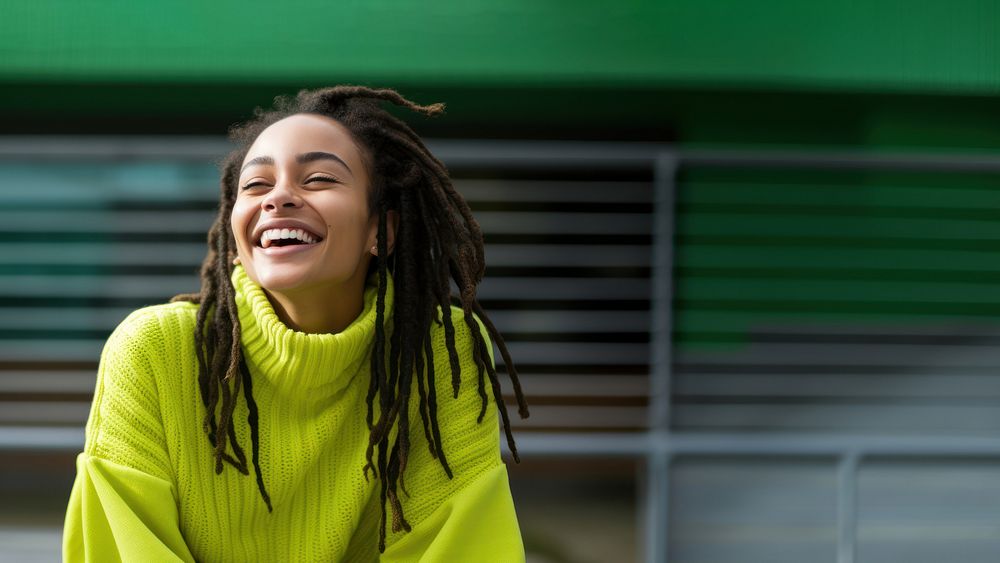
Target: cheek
(240,220)
(349,221)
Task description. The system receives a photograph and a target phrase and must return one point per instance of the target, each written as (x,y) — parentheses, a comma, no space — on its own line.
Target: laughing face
(301,218)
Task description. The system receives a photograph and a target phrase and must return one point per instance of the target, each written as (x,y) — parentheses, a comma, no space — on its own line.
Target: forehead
(303,133)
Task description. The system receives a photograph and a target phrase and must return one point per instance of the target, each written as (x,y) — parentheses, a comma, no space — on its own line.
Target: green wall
(889,73)
(883,45)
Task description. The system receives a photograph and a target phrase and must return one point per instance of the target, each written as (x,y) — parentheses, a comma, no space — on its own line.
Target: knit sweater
(146,489)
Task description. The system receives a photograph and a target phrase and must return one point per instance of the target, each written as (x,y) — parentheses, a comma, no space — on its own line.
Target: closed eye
(322,179)
(251,185)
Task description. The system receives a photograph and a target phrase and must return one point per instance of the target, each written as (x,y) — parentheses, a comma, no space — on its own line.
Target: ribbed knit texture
(310,391)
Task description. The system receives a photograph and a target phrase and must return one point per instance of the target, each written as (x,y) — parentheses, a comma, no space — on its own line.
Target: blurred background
(745,255)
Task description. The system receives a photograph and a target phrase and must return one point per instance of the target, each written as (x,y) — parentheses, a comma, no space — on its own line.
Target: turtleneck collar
(297,362)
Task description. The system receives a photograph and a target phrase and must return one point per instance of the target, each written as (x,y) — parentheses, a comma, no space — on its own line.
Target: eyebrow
(301,159)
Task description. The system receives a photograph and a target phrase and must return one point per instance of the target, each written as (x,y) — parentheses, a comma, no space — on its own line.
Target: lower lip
(281,251)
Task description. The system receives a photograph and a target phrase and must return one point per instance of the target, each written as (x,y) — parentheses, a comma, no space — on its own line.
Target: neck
(319,310)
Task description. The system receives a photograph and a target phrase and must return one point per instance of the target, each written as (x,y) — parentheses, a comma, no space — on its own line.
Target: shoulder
(467,419)
(147,349)
(463,334)
(155,326)
(151,333)
(145,319)
(466,404)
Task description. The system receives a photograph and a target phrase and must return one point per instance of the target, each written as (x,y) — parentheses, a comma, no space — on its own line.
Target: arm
(123,505)
(476,524)
(117,513)
(471,516)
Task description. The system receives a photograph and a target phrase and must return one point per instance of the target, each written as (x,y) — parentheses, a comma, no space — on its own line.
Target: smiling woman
(325,313)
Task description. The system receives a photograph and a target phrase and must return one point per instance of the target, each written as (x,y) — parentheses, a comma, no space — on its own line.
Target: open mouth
(286,237)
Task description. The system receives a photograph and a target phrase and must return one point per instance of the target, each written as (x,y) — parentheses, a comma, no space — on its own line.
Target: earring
(236,260)
(375,250)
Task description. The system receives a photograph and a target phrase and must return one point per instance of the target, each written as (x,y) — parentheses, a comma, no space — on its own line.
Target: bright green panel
(760,248)
(884,45)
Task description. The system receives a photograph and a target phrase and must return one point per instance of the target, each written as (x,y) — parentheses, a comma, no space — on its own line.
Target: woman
(324,316)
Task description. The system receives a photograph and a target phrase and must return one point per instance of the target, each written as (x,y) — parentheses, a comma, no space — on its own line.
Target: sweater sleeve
(117,513)
(123,505)
(470,516)
(476,524)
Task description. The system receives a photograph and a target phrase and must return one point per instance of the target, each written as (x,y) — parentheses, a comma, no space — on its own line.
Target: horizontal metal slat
(942,386)
(945,329)
(799,226)
(969,419)
(834,354)
(576,354)
(44,412)
(47,351)
(564,288)
(687,319)
(555,255)
(509,222)
(753,192)
(570,321)
(555,191)
(783,290)
(149,287)
(560,416)
(827,258)
(109,221)
(55,382)
(573,386)
(66,318)
(98,254)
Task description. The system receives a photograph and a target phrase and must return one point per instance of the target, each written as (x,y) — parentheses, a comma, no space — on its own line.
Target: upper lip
(283,224)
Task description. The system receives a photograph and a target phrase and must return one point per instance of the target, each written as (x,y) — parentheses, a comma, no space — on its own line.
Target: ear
(392,223)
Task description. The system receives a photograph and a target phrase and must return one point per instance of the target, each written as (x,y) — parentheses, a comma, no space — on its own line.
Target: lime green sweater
(146,489)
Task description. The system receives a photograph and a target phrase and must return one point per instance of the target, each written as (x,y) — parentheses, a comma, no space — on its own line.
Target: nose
(281,196)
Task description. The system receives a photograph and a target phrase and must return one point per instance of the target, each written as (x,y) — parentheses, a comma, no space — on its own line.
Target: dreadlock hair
(437,242)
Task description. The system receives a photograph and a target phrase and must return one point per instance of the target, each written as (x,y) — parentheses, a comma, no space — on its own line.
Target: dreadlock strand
(383,495)
(378,375)
(425,378)
(233,372)
(522,404)
(424,412)
(432,408)
(241,458)
(399,522)
(498,397)
(478,354)
(225,374)
(387,94)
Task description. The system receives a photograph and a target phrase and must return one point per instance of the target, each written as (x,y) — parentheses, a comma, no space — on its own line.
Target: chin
(280,279)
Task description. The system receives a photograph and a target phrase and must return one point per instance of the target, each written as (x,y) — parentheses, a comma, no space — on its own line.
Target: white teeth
(274,234)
